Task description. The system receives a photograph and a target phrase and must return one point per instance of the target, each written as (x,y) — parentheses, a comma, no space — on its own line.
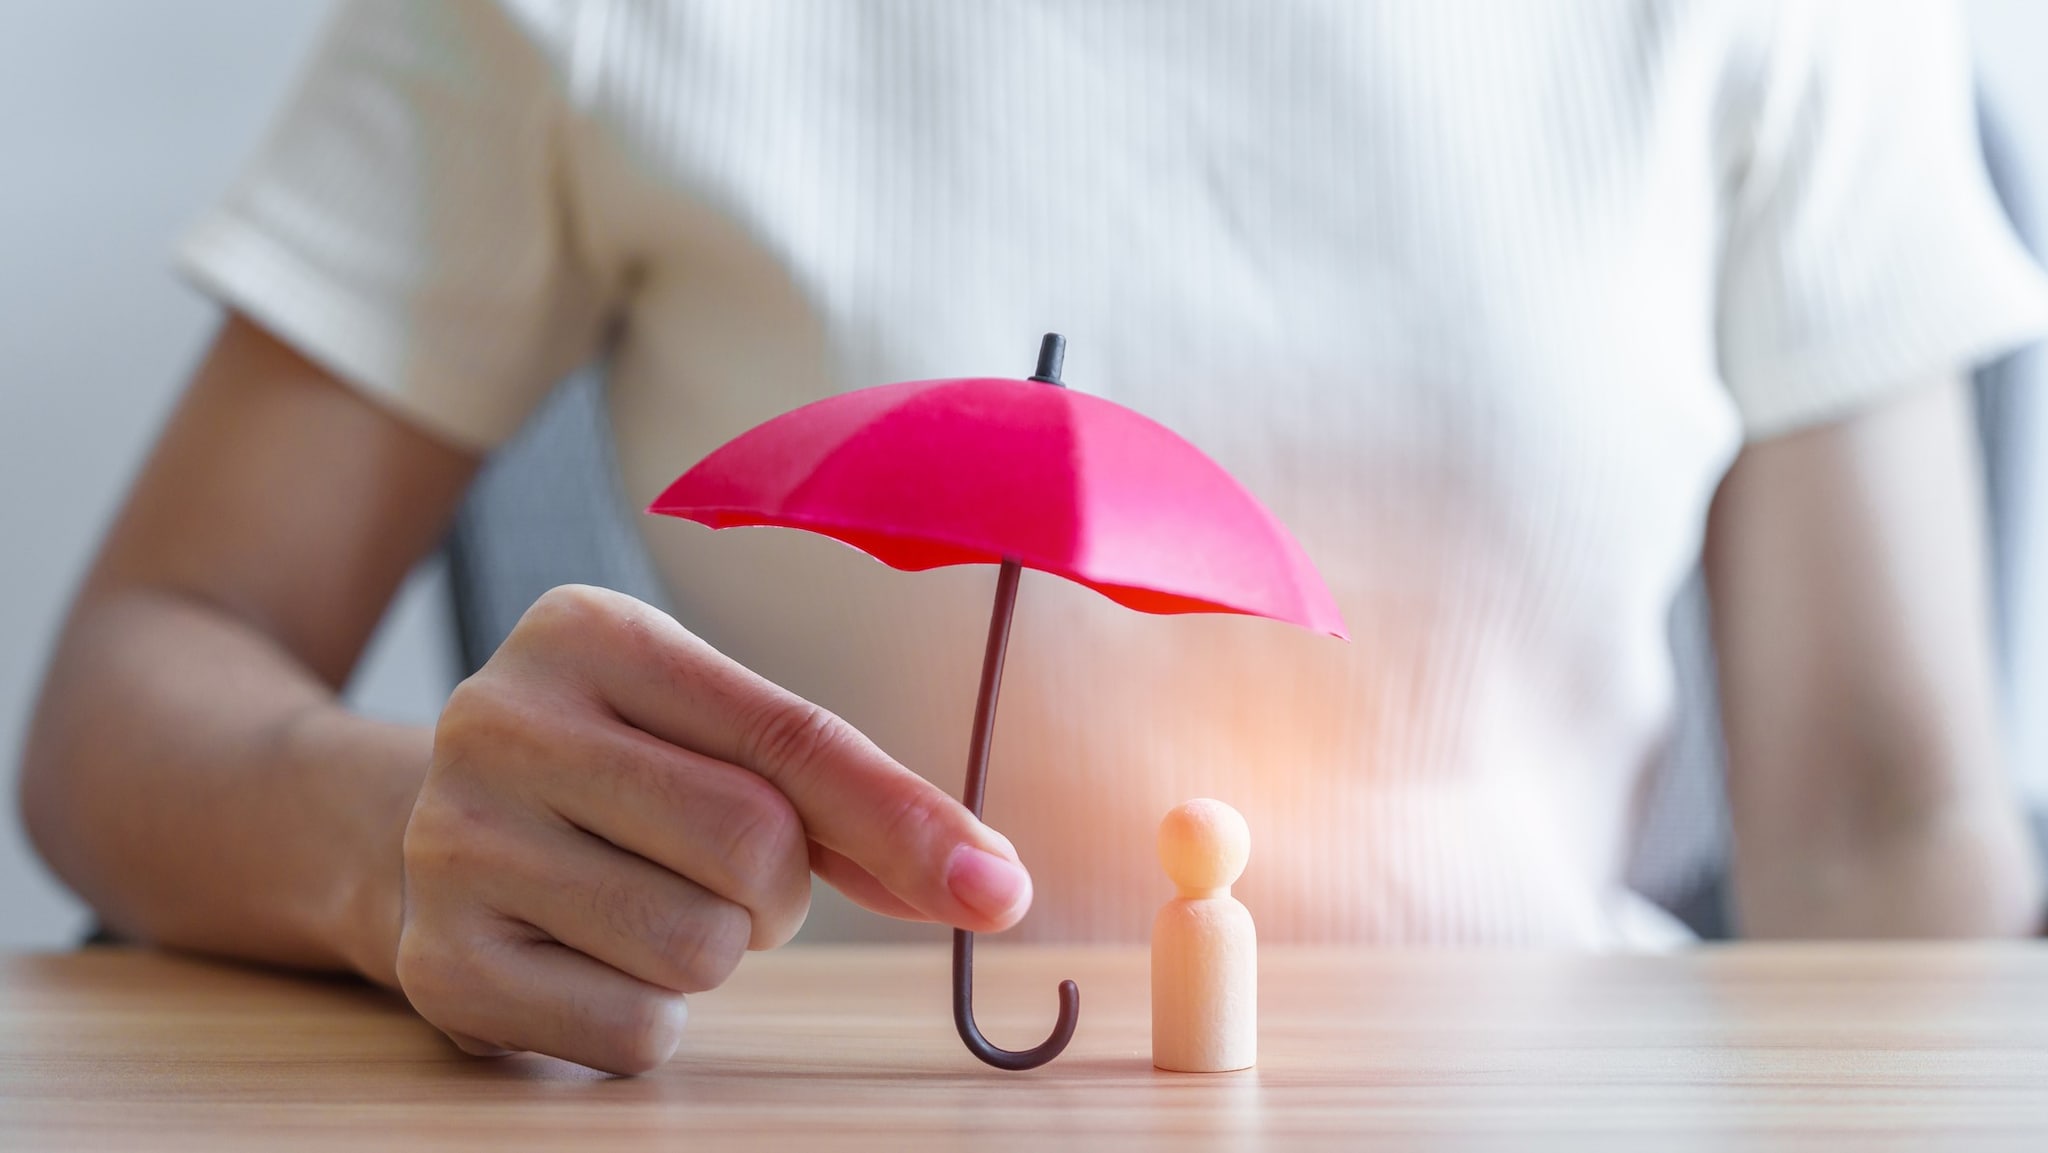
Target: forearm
(204,790)
(1867,783)
(1960,864)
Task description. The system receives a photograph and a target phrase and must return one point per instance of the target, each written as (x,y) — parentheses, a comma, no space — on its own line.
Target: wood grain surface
(1746,1047)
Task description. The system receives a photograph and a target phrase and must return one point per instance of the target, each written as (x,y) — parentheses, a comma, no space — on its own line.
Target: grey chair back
(546,510)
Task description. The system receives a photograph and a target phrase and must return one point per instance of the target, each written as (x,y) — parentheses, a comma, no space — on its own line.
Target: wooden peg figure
(1205,951)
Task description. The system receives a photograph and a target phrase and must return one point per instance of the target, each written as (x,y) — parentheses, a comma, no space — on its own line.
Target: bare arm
(1847,568)
(190,772)
(604,818)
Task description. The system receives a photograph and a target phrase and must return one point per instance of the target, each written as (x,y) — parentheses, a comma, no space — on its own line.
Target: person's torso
(1434,280)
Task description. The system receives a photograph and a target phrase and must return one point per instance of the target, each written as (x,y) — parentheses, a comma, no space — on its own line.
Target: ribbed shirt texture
(1481,298)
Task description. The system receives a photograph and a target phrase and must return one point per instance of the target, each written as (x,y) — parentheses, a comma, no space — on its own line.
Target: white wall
(119,119)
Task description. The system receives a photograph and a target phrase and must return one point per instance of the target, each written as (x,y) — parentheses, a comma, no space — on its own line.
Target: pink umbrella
(1010,472)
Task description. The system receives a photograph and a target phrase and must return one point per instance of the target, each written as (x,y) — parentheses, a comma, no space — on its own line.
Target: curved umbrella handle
(970,1035)
(977,784)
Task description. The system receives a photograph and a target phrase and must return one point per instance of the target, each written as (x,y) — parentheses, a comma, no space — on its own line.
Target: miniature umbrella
(1013,473)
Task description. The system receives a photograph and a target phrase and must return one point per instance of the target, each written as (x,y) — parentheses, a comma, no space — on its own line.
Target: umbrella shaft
(991,685)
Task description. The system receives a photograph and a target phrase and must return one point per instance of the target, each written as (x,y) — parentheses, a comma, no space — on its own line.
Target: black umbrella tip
(1052,356)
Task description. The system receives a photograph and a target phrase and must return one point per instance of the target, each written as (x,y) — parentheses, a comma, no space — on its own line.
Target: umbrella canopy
(980,470)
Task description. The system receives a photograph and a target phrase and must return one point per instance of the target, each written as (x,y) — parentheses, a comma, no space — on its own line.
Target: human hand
(616,812)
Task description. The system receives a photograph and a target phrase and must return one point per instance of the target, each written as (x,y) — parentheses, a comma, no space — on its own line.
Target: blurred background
(119,121)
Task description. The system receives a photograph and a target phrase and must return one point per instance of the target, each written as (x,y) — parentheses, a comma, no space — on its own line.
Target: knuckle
(646,1035)
(639,634)
(430,975)
(791,736)
(762,843)
(625,913)
(447,824)
(469,711)
(480,716)
(571,619)
(776,931)
(432,840)
(567,609)
(704,946)
(458,856)
(495,728)
(767,856)
(916,815)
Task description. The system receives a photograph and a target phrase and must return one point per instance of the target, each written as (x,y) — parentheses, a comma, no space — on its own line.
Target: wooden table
(1859,1048)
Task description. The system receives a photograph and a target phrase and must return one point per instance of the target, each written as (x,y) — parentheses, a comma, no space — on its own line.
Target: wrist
(378,769)
(372,911)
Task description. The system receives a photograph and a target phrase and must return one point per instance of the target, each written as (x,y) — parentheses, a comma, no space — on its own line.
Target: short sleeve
(1864,247)
(403,224)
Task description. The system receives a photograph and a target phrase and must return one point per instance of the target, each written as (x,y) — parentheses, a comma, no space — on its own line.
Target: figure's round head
(1204,844)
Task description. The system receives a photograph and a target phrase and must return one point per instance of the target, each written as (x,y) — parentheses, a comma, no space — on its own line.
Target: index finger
(854,799)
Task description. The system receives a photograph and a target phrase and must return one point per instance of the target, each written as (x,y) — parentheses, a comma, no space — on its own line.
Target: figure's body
(1205,949)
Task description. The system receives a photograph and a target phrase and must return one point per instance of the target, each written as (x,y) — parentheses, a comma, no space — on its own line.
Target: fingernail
(987,883)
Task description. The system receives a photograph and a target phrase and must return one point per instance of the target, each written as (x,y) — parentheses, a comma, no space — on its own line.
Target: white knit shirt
(1481,298)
